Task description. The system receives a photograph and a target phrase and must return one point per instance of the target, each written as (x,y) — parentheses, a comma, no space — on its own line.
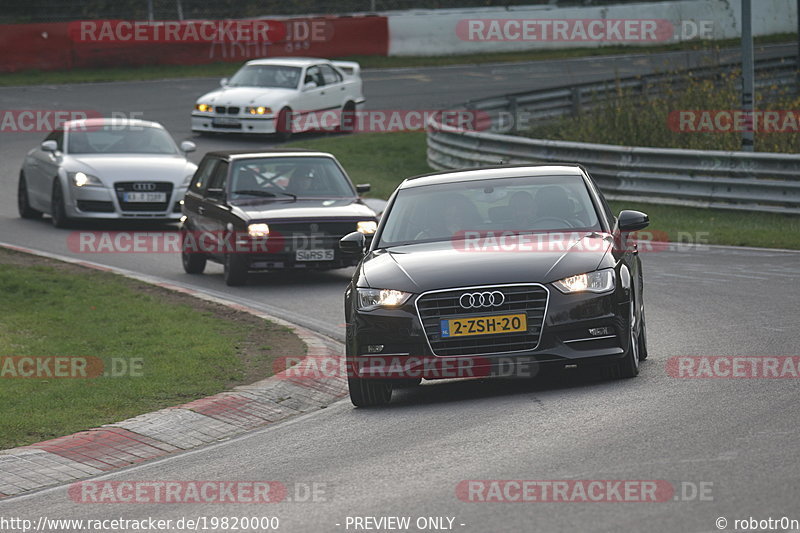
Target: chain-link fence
(21,11)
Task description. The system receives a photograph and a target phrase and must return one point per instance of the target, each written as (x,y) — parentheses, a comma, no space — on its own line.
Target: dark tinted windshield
(445,212)
(281,177)
(117,139)
(276,76)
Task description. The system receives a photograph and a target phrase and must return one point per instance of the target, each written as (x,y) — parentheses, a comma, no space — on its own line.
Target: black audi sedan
(493,271)
(271,210)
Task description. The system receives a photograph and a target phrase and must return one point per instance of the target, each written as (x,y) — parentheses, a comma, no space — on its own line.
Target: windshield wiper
(266,194)
(253,192)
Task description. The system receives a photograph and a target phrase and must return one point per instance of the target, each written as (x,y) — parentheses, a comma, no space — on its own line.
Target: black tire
(369,392)
(643,338)
(628,367)
(23,203)
(283,125)
(58,211)
(348,118)
(235,270)
(193,262)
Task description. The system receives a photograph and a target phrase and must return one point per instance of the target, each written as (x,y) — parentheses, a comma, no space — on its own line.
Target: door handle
(201,209)
(322,92)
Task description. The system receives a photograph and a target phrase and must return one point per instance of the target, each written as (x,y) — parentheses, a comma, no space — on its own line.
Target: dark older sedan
(271,210)
(496,271)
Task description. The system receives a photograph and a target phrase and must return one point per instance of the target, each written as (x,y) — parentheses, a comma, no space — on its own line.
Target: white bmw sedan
(105,169)
(282,96)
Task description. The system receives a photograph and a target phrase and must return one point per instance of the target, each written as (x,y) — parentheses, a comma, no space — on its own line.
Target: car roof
(495,172)
(288,61)
(273,152)
(108,121)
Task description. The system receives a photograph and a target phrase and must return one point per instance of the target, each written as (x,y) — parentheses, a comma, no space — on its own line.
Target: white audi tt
(105,168)
(282,96)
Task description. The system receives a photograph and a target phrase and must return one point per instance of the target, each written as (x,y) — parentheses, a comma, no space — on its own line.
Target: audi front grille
(435,306)
(135,186)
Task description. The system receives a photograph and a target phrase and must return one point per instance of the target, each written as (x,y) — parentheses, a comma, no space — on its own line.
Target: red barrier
(54,47)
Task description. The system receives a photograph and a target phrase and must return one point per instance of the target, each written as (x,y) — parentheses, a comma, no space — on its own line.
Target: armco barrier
(765,182)
(53,47)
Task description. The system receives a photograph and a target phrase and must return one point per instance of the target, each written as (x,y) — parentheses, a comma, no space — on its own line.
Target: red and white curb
(186,426)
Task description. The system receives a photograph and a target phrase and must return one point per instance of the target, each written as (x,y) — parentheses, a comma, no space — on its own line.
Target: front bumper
(104,203)
(578,329)
(205,122)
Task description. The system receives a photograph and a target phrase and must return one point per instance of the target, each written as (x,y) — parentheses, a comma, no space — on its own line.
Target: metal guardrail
(764,182)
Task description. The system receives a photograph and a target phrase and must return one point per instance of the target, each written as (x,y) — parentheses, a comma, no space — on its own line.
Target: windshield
(276,76)
(516,205)
(116,139)
(293,177)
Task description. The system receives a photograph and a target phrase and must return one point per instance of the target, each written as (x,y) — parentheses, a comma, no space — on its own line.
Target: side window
(330,75)
(218,178)
(313,74)
(203,174)
(58,137)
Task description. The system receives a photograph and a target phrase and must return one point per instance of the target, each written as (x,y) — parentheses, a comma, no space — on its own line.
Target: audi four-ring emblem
(144,186)
(475,300)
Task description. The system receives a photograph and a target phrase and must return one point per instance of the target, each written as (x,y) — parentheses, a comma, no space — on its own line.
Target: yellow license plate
(484,325)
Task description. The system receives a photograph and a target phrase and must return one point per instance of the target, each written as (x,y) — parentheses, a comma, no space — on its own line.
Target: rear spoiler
(351,68)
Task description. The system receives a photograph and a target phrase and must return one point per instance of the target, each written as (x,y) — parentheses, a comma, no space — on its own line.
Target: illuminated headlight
(369,299)
(258,110)
(258,230)
(203,108)
(597,281)
(80,179)
(367,227)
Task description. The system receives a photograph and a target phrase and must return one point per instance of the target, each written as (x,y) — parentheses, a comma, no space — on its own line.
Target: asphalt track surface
(734,438)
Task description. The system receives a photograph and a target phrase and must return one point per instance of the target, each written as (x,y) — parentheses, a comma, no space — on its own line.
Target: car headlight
(367,227)
(81,179)
(597,281)
(204,108)
(187,180)
(258,110)
(369,299)
(258,230)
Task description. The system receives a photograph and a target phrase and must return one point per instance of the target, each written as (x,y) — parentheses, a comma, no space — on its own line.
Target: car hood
(242,96)
(131,167)
(440,265)
(287,209)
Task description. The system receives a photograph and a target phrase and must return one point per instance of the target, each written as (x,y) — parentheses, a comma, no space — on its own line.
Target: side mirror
(49,146)
(362,188)
(353,243)
(188,146)
(223,82)
(632,220)
(309,85)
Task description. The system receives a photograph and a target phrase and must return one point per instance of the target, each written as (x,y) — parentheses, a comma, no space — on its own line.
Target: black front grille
(530,299)
(95,206)
(122,187)
(222,110)
(310,235)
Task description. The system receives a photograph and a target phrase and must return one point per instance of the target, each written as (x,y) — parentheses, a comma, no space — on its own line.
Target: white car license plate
(314,255)
(144,197)
(226,121)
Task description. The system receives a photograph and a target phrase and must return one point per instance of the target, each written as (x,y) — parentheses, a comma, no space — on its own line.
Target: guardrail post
(577,101)
(512,108)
